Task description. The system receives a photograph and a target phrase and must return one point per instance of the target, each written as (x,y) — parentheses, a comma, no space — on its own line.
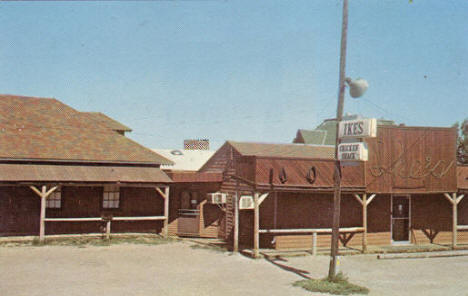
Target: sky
(237,70)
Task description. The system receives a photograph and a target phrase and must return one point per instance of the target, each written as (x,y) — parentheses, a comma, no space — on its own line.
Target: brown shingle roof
(107,121)
(283,150)
(42,129)
(81,173)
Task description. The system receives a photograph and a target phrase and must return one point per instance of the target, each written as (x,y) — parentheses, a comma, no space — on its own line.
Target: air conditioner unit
(217,198)
(246,202)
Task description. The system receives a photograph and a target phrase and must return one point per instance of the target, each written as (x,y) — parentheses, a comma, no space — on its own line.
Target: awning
(81,173)
(196,177)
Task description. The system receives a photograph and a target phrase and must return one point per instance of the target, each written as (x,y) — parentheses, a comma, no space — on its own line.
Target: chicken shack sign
(353,151)
(356,129)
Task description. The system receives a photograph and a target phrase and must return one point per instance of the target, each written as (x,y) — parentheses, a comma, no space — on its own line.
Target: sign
(358,128)
(353,151)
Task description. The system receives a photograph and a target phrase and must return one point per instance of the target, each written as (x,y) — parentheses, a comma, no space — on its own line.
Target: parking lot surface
(179,269)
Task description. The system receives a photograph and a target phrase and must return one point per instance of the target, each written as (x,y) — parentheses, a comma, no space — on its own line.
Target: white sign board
(353,151)
(358,128)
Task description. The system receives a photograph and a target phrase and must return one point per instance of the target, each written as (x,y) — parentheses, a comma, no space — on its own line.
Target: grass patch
(84,241)
(208,247)
(337,286)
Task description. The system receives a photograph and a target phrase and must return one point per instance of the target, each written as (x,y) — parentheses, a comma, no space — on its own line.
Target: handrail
(311,230)
(87,219)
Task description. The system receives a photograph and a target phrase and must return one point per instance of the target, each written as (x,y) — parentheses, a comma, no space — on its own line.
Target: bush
(337,286)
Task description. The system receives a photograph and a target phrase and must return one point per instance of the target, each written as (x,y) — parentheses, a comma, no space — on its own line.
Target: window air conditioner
(246,202)
(217,198)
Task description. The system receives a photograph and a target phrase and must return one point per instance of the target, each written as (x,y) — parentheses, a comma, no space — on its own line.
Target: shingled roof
(42,129)
(105,120)
(283,150)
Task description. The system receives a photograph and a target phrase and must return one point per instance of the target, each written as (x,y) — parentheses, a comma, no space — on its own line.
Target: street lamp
(357,89)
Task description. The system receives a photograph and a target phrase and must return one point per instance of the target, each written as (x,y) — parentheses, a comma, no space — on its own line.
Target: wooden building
(65,171)
(192,210)
(409,191)
(196,208)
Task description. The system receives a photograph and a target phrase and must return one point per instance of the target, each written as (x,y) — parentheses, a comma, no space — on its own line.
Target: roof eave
(82,161)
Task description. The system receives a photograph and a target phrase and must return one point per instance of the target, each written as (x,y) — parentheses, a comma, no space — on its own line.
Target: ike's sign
(359,128)
(352,151)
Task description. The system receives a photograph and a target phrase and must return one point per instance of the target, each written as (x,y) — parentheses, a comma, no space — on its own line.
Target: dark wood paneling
(379,214)
(431,211)
(22,206)
(19,211)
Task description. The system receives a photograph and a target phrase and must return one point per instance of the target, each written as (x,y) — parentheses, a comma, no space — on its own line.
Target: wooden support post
(236,219)
(43,215)
(454,200)
(364,222)
(314,243)
(165,195)
(262,198)
(275,211)
(364,201)
(454,222)
(108,229)
(166,211)
(43,194)
(256,225)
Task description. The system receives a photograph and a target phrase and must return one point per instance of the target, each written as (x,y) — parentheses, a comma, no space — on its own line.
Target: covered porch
(42,199)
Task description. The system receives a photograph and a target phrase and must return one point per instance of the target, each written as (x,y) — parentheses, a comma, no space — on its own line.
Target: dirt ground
(178,269)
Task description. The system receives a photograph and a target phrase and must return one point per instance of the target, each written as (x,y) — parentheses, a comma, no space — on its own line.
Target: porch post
(43,215)
(43,194)
(165,196)
(275,211)
(364,201)
(454,200)
(236,218)
(364,222)
(256,225)
(166,211)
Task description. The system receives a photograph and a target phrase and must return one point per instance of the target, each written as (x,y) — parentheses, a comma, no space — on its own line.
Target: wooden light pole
(337,173)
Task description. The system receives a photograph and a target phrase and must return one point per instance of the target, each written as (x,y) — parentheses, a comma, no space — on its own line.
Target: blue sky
(237,70)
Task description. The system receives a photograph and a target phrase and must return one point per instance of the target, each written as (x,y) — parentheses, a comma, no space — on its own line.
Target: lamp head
(357,87)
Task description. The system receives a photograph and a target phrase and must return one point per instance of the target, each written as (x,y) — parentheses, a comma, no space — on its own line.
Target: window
(54,200)
(189,200)
(111,197)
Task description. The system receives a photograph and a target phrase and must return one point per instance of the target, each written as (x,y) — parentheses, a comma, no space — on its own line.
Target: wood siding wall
(211,216)
(432,215)
(19,211)
(22,205)
(226,160)
(298,169)
(412,160)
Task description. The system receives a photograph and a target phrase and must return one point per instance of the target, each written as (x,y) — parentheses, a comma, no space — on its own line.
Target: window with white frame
(54,200)
(111,197)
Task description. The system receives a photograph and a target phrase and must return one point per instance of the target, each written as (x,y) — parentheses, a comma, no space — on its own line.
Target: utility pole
(337,172)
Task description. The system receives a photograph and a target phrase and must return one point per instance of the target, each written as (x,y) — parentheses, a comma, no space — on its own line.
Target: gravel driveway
(178,269)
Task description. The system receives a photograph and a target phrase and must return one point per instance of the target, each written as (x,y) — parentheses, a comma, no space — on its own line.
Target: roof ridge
(272,143)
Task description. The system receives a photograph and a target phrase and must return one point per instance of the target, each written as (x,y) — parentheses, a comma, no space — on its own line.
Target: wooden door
(188,223)
(400,218)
